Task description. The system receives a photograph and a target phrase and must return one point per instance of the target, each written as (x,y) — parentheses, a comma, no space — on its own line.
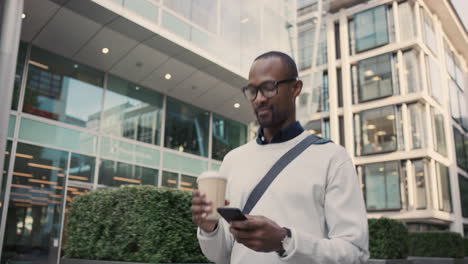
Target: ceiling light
(381,169)
(381,133)
(236,105)
(137,88)
(105,50)
(75,66)
(370,127)
(168,76)
(376,78)
(368,73)
(23,16)
(245,20)
(391,117)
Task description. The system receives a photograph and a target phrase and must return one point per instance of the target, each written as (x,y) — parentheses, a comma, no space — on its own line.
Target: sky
(462,9)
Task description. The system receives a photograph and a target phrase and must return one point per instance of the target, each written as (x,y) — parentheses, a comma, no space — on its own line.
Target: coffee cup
(214,187)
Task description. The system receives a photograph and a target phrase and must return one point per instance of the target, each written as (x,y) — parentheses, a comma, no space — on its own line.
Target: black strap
(289,156)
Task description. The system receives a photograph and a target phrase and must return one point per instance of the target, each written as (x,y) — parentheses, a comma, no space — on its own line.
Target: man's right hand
(201,208)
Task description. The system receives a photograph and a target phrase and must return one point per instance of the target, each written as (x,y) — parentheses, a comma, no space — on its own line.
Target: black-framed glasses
(267,88)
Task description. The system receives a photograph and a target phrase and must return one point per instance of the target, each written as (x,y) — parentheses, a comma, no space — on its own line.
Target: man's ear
(297,88)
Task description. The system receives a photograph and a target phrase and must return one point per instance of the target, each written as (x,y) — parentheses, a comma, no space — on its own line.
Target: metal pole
(10,28)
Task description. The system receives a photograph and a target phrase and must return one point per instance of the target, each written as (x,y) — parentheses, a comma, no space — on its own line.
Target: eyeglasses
(267,88)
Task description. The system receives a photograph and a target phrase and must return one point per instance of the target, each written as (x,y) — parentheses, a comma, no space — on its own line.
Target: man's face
(276,111)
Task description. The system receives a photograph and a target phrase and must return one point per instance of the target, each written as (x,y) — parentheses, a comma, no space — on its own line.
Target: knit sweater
(317,196)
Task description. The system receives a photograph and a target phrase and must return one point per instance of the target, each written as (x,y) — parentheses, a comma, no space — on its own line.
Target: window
(81,168)
(420,171)
(63,90)
(339,83)
(443,183)
(379,130)
(439,132)
(463,185)
(227,135)
(6,164)
(132,111)
(382,186)
(306,42)
(375,78)
(188,183)
(411,71)
(407,21)
(20,60)
(342,131)
(418,125)
(201,12)
(428,31)
(460,149)
(370,28)
(115,173)
(336,27)
(433,78)
(170,179)
(187,128)
(319,128)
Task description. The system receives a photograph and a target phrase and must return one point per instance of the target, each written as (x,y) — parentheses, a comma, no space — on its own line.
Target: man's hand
(201,207)
(258,233)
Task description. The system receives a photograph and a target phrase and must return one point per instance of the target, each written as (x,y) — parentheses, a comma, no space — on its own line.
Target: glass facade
(375,78)
(411,71)
(440,142)
(417,120)
(434,78)
(305,43)
(444,194)
(382,186)
(461,148)
(428,30)
(420,172)
(113,173)
(227,135)
(20,63)
(407,20)
(371,28)
(463,185)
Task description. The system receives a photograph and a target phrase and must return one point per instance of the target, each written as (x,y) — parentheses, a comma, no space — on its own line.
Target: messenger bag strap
(289,156)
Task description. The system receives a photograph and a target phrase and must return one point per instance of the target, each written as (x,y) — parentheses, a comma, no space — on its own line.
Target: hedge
(436,244)
(388,239)
(133,224)
(465,245)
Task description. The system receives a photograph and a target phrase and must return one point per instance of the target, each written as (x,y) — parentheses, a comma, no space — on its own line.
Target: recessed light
(245,20)
(168,76)
(236,105)
(371,126)
(137,88)
(23,16)
(105,50)
(75,66)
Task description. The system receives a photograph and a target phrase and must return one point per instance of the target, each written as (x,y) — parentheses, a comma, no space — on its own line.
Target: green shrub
(133,223)
(465,245)
(436,244)
(388,239)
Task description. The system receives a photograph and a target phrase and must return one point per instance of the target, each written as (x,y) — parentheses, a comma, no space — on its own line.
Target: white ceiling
(80,29)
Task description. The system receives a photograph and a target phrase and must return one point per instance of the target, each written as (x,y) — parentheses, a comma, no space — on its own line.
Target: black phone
(231,214)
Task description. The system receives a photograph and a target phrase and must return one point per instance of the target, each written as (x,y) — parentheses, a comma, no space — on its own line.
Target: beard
(270,117)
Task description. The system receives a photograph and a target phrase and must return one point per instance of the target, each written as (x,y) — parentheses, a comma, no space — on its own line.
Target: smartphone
(231,214)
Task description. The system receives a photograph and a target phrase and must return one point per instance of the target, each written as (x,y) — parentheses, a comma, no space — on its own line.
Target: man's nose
(260,98)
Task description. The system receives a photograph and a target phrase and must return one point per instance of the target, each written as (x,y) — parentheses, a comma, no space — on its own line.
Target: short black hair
(288,62)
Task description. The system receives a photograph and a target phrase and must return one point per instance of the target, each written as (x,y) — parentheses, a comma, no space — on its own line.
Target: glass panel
(230,32)
(407,21)
(175,25)
(227,135)
(462,160)
(187,128)
(11,126)
(63,90)
(121,150)
(420,171)
(56,136)
(144,8)
(204,13)
(379,130)
(375,77)
(23,47)
(445,196)
(449,60)
(460,75)
(418,125)
(325,99)
(113,173)
(342,131)
(170,179)
(132,111)
(411,71)
(463,185)
(6,165)
(428,29)
(34,213)
(371,28)
(314,127)
(434,80)
(215,166)
(188,183)
(82,168)
(439,132)
(382,186)
(181,163)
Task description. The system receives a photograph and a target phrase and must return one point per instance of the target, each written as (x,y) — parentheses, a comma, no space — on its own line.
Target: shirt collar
(285,134)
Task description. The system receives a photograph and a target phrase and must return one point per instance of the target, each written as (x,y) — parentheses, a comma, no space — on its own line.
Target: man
(313,212)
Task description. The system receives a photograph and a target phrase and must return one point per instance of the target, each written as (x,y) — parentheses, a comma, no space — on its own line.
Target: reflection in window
(463,185)
(34,211)
(18,74)
(188,183)
(433,78)
(375,78)
(319,128)
(382,185)
(227,135)
(186,128)
(418,125)
(114,173)
(81,168)
(411,71)
(443,182)
(170,179)
(370,28)
(380,130)
(439,132)
(428,31)
(6,164)
(63,90)
(305,43)
(420,170)
(132,111)
(462,153)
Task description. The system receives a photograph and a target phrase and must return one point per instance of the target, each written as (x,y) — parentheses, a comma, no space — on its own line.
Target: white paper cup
(214,186)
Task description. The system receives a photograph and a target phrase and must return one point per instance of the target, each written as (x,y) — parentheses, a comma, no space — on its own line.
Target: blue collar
(285,134)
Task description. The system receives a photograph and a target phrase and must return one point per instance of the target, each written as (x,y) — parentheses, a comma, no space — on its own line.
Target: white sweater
(317,196)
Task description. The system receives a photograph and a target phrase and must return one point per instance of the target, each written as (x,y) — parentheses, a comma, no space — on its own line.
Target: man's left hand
(258,233)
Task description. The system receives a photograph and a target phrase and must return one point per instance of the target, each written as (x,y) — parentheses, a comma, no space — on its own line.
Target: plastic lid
(210,174)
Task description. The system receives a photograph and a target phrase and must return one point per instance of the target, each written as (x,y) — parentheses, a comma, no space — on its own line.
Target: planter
(424,260)
(88,261)
(388,261)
